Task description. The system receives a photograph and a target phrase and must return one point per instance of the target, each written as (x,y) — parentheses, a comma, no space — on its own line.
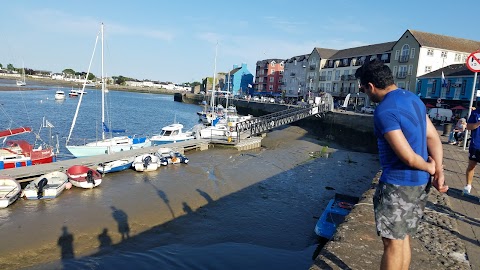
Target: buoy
(68,185)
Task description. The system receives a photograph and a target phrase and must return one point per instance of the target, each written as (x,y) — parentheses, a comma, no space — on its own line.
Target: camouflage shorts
(398,209)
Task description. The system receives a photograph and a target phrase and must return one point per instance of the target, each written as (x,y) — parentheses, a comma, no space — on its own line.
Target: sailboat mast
(103,94)
(212,100)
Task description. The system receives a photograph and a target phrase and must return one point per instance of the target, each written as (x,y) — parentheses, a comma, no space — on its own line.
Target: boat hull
(55,186)
(101,149)
(140,165)
(115,166)
(9,191)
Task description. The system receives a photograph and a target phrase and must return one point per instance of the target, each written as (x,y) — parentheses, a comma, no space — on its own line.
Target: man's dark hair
(375,72)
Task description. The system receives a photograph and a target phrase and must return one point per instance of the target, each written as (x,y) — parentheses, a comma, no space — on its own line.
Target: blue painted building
(239,81)
(455,89)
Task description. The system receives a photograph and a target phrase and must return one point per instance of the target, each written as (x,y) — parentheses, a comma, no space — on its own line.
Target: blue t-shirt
(475,136)
(401,109)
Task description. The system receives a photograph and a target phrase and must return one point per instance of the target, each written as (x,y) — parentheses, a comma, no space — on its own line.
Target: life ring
(345,205)
(231,129)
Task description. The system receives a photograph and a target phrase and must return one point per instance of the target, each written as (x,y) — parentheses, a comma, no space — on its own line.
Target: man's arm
(435,150)
(472,126)
(405,153)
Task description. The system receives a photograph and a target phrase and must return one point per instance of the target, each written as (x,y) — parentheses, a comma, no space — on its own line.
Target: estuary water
(141,114)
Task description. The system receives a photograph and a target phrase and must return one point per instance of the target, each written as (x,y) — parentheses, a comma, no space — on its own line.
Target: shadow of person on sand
(205,195)
(65,242)
(122,221)
(105,241)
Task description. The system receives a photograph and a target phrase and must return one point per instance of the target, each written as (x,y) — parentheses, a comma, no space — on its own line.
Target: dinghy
(9,191)
(169,156)
(115,166)
(83,176)
(147,162)
(47,186)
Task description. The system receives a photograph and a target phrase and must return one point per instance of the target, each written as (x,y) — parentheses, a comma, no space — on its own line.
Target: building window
(448,88)
(458,57)
(272,79)
(329,76)
(272,71)
(412,53)
(443,54)
(295,63)
(328,87)
(384,57)
(464,58)
(428,69)
(429,52)
(272,63)
(395,71)
(410,68)
(337,75)
(397,53)
(464,83)
(345,62)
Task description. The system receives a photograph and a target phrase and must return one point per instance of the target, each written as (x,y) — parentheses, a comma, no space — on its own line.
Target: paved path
(456,161)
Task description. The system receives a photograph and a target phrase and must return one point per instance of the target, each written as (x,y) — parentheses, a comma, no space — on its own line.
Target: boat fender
(345,205)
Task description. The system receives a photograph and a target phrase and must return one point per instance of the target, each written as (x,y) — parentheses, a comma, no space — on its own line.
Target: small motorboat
(59,95)
(171,134)
(9,191)
(334,215)
(168,156)
(146,163)
(47,186)
(116,165)
(83,176)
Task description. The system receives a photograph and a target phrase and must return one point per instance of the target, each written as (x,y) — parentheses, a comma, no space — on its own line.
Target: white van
(440,114)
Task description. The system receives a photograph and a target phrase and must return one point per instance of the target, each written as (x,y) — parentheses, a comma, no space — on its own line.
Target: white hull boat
(47,186)
(171,134)
(9,191)
(146,163)
(116,165)
(59,95)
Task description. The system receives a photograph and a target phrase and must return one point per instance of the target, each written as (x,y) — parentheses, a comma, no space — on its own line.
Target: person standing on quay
(406,137)
(474,149)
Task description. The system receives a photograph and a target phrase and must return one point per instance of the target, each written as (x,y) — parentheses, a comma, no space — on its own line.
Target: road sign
(439,100)
(473,61)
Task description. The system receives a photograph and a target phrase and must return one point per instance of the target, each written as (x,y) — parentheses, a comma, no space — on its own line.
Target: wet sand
(270,197)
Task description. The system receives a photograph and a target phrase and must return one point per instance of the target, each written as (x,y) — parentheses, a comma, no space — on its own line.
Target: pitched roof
(298,58)
(364,50)
(325,53)
(445,42)
(270,60)
(233,71)
(449,71)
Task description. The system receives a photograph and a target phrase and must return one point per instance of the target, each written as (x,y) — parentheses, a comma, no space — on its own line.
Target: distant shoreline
(79,85)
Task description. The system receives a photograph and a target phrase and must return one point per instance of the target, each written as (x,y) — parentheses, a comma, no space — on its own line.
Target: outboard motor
(41,184)
(146,161)
(90,177)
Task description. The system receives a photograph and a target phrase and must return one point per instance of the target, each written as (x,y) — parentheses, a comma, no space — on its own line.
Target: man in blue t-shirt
(474,150)
(410,152)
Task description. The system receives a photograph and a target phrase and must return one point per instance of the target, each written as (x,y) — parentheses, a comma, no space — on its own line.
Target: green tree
(10,67)
(91,77)
(69,71)
(120,80)
(1,66)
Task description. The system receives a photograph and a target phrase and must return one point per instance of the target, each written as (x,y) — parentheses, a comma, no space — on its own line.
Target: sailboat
(105,145)
(22,81)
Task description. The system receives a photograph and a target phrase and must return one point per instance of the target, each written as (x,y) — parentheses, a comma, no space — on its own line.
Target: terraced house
(414,54)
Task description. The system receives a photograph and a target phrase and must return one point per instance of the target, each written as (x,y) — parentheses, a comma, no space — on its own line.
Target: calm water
(139,113)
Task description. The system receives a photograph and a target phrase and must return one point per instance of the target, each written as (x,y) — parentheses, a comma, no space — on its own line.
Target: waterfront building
(295,72)
(453,88)
(239,81)
(268,76)
(417,53)
(317,59)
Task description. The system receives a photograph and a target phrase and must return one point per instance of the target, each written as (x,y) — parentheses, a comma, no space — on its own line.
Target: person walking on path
(474,149)
(411,156)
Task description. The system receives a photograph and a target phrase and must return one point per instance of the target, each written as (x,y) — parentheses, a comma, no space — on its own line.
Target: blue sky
(175,40)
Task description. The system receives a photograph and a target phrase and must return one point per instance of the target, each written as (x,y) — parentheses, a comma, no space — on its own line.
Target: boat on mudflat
(169,156)
(47,186)
(147,163)
(83,176)
(116,165)
(334,214)
(9,191)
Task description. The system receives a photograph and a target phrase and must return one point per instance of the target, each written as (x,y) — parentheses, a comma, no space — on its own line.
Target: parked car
(367,109)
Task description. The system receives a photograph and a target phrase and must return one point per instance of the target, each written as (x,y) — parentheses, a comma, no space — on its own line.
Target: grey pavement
(448,236)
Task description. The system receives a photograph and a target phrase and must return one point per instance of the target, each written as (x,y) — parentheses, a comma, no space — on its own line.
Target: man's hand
(431,166)
(439,181)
